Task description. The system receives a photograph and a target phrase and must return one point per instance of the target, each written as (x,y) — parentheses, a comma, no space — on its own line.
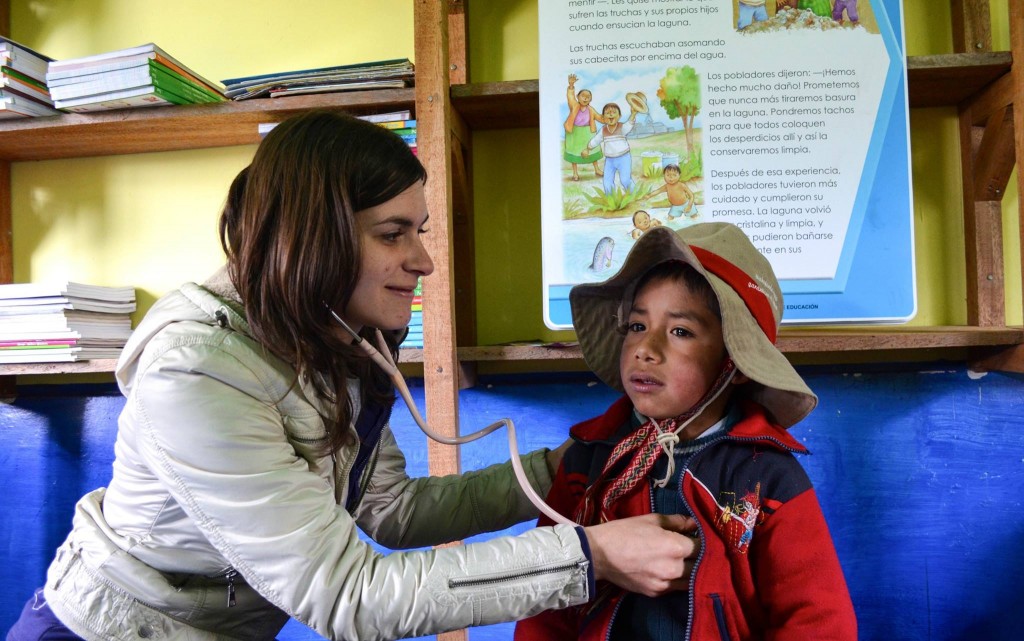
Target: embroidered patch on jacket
(736,521)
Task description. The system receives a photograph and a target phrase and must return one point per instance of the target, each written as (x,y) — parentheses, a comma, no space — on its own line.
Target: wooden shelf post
(991,141)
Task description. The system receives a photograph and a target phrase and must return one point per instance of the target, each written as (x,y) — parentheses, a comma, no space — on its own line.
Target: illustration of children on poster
(636,139)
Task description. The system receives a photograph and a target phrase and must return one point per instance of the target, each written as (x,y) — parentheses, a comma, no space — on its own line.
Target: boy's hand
(650,555)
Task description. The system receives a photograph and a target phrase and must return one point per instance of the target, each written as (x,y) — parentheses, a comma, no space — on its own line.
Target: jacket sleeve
(554,625)
(803,590)
(208,427)
(401,512)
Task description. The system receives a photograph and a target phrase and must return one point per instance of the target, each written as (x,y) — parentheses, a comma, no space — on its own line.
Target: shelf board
(937,80)
(933,81)
(791,341)
(509,104)
(130,131)
(78,367)
(949,79)
(801,341)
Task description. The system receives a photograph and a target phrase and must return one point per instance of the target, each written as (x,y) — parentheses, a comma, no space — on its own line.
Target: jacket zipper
(700,528)
(514,576)
(230,576)
(691,597)
(364,481)
(368,474)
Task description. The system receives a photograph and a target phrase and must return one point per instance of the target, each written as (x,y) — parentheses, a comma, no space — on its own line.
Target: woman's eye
(422,230)
(635,327)
(392,236)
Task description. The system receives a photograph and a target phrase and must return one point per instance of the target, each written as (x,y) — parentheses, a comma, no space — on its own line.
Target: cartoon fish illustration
(602,255)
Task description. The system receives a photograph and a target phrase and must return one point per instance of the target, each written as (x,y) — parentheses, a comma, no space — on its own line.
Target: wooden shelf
(80,367)
(791,341)
(938,80)
(949,79)
(933,81)
(130,131)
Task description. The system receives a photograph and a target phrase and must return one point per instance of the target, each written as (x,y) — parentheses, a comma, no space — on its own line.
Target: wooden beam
(458,58)
(994,157)
(433,123)
(433,118)
(8,388)
(1016,9)
(983,239)
(1007,359)
(463,240)
(991,99)
(972,25)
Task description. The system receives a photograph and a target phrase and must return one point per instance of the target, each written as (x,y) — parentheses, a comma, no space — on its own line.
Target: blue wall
(920,473)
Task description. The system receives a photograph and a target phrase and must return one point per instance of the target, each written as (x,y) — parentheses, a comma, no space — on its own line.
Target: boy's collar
(746,420)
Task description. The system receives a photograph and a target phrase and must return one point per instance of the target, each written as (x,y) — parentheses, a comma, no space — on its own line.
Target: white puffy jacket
(220,493)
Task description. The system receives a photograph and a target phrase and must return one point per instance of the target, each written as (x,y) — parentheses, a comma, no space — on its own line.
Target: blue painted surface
(921,476)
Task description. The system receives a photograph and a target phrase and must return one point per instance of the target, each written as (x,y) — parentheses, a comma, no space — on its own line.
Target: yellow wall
(150,220)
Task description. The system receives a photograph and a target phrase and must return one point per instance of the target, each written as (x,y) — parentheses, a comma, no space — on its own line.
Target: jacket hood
(214,303)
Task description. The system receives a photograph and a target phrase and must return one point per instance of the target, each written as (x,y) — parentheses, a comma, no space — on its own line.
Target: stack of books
(384,74)
(415,336)
(65,322)
(404,127)
(23,92)
(399,122)
(144,76)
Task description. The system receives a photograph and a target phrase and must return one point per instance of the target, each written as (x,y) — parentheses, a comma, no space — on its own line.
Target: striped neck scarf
(641,449)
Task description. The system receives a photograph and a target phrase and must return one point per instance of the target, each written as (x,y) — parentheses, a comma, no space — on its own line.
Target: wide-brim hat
(748,294)
(637,101)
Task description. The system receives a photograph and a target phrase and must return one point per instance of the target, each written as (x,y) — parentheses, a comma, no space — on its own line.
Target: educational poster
(787,118)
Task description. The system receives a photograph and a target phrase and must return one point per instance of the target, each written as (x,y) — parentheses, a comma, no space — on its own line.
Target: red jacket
(767,567)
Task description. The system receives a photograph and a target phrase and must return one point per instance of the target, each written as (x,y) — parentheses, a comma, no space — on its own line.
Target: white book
(66,289)
(122,59)
(18,106)
(65,319)
(148,96)
(21,58)
(117,337)
(58,354)
(100,83)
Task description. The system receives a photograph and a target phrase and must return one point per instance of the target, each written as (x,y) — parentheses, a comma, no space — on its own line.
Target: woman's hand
(648,554)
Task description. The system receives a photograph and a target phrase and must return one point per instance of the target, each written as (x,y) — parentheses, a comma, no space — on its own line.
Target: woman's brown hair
(289,231)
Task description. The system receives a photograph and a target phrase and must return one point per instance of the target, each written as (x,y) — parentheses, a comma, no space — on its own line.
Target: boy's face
(611,114)
(671,176)
(641,220)
(672,353)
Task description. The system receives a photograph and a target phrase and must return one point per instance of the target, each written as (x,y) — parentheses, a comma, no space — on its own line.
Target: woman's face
(393,259)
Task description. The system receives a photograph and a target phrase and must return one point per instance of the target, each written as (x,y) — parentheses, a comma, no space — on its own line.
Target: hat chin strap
(668,431)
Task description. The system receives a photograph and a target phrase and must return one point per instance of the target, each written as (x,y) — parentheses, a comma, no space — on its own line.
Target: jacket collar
(753,426)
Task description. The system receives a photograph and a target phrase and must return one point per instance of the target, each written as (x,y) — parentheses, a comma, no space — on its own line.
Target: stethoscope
(382,358)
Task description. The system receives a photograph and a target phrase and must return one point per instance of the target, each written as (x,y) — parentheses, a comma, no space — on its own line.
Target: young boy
(680,198)
(687,329)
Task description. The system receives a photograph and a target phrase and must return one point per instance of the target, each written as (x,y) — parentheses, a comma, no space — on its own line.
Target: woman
(255,439)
